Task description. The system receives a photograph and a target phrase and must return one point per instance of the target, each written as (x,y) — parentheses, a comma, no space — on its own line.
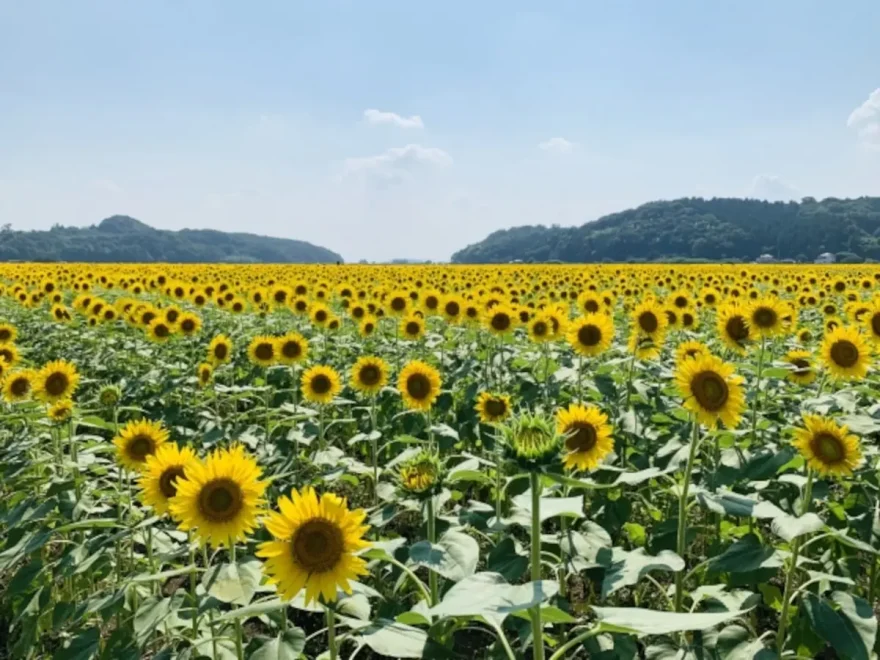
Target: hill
(697,229)
(124,239)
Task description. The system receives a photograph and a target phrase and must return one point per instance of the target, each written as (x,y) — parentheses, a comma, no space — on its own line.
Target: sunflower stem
(239,645)
(757,402)
(269,393)
(681,537)
(580,377)
(872,578)
(537,628)
(432,539)
(374,447)
(544,348)
(150,559)
(792,569)
(206,560)
(331,632)
(192,585)
(499,463)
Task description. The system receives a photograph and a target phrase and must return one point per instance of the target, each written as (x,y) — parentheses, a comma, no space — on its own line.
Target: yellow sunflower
(871,321)
(587,436)
(690,349)
(60,411)
(845,353)
(189,324)
(803,371)
(8,333)
(320,384)
(733,327)
(261,351)
(159,330)
(205,373)
(292,348)
(369,375)
(412,327)
(17,385)
(420,474)
(220,350)
(56,380)
(314,547)
(493,408)
(828,448)
(591,334)
(419,385)
(540,328)
(221,498)
(711,390)
(9,354)
(367,326)
(137,440)
(765,316)
(158,482)
(500,319)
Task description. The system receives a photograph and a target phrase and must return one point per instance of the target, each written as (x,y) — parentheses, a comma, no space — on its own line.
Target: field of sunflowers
(617,461)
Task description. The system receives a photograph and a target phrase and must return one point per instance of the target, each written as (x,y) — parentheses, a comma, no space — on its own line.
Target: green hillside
(121,239)
(696,228)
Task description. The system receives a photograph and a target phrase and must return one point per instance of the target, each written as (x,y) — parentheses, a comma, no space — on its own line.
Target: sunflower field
(511,462)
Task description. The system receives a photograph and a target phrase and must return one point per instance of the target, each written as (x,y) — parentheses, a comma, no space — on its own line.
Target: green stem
(207,562)
(792,569)
(872,578)
(331,632)
(756,403)
(192,586)
(681,538)
(571,643)
(537,628)
(374,445)
(268,405)
(150,560)
(239,643)
(432,538)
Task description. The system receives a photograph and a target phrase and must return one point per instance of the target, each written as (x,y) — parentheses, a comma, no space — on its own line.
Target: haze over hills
(697,229)
(121,238)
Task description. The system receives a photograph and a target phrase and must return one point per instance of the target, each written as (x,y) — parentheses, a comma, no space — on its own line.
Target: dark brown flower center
(188,325)
(802,366)
(398,304)
(220,500)
(875,324)
(589,335)
(764,317)
(264,351)
(681,302)
(321,384)
(20,386)
(167,481)
(291,349)
(141,446)
(736,328)
(591,306)
(57,383)
(710,390)
(5,334)
(539,329)
(452,308)
(413,328)
(827,447)
(500,321)
(418,386)
(172,315)
(648,322)
(580,437)
(496,407)
(161,330)
(370,375)
(221,351)
(844,353)
(318,546)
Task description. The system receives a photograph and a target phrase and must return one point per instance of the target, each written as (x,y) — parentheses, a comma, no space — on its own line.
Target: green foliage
(695,230)
(124,239)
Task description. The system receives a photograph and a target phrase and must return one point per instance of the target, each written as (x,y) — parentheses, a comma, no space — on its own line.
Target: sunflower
(315,544)
(159,330)
(9,354)
(765,316)
(56,380)
(398,302)
(871,321)
(804,336)
(220,350)
(828,448)
(648,320)
(419,385)
(17,385)
(690,349)
(420,475)
(189,324)
(412,327)
(531,441)
(493,407)
(733,327)
(158,481)
(452,308)
(500,319)
(137,440)
(587,436)
(320,384)
(320,314)
(261,351)
(591,334)
(60,411)
(540,328)
(711,390)
(846,353)
(367,326)
(221,498)
(205,374)
(803,371)
(8,333)
(369,374)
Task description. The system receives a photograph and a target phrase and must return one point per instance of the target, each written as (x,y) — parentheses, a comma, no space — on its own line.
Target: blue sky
(410,129)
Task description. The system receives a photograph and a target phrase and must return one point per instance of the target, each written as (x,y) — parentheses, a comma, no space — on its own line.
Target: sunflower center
(264,351)
(20,386)
(141,446)
(291,349)
(681,302)
(500,321)
(5,334)
(370,375)
(581,437)
(710,390)
(539,329)
(413,328)
(398,304)
(220,500)
(172,315)
(221,351)
(431,302)
(496,407)
(161,330)
(166,481)
(321,384)
(648,322)
(827,447)
(188,325)
(875,324)
(318,546)
(844,353)
(57,383)
(802,366)
(452,308)
(418,386)
(591,306)
(764,317)
(736,328)
(589,335)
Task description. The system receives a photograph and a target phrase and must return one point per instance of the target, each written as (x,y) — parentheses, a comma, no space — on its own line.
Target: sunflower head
(315,545)
(292,348)
(733,327)
(9,354)
(262,351)
(18,384)
(827,447)
(320,384)
(369,375)
(109,396)
(493,408)
(846,354)
(158,481)
(420,475)
(221,498)
(189,324)
(56,381)
(8,333)
(367,326)
(711,390)
(412,327)
(500,319)
(531,441)
(60,411)
(802,367)
(220,350)
(540,328)
(136,441)
(587,436)
(419,385)
(690,349)
(591,334)
(765,317)
(205,374)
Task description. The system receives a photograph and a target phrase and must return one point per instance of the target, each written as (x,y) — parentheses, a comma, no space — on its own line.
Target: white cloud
(866,120)
(397,162)
(374,116)
(557,145)
(773,189)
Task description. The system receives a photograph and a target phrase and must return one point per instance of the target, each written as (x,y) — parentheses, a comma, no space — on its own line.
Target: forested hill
(121,238)
(696,228)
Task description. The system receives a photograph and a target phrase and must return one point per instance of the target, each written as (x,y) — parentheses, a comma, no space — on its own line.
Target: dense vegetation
(696,229)
(123,239)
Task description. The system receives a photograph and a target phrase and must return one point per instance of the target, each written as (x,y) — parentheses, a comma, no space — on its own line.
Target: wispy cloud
(865,120)
(374,116)
(557,145)
(773,189)
(397,161)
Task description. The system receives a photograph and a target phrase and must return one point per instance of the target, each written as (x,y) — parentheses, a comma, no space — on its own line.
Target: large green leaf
(454,556)
(791,527)
(82,647)
(489,596)
(550,507)
(233,583)
(641,621)
(746,555)
(508,559)
(388,638)
(839,627)
(288,645)
(627,568)
(150,614)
